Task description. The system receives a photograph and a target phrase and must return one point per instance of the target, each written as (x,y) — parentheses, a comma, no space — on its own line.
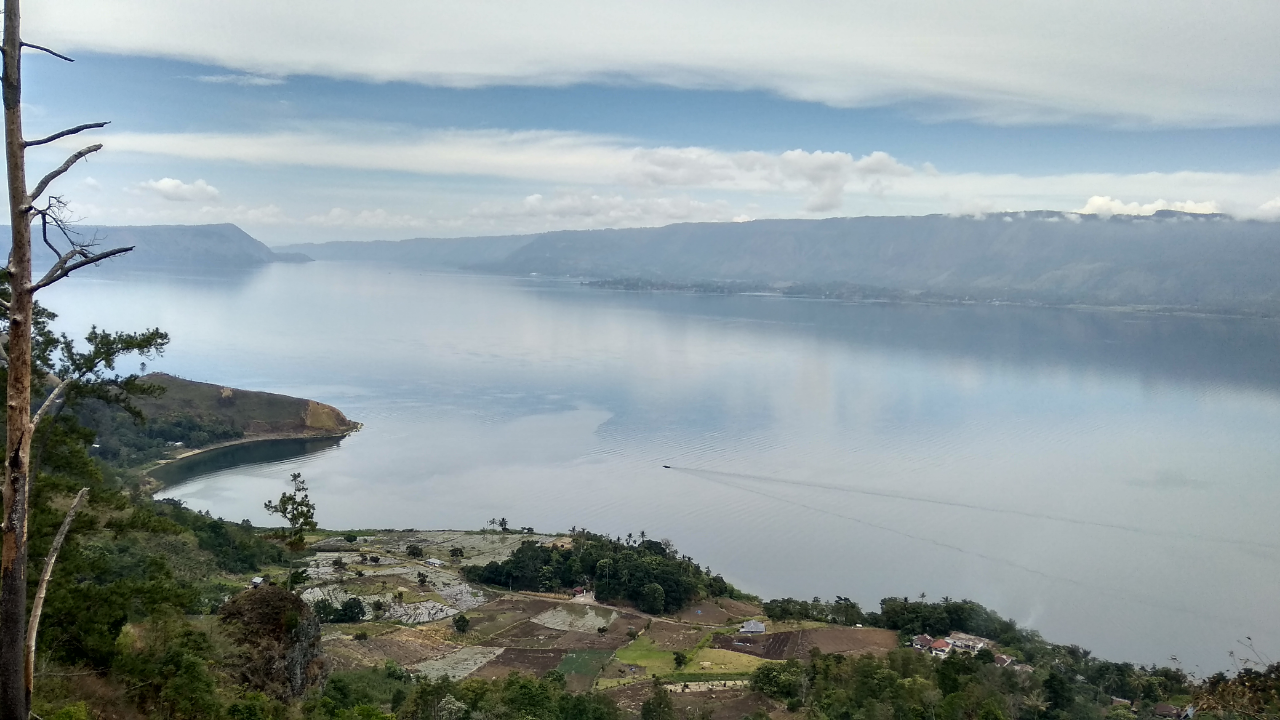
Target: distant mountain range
(186,247)
(1172,260)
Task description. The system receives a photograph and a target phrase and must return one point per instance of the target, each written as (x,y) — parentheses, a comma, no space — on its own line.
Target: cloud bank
(178,191)
(1185,63)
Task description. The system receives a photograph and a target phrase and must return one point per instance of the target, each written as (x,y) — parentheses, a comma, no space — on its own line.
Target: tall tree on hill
(16,671)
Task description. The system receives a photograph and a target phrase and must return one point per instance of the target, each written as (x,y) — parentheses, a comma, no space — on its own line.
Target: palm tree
(493,522)
(921,597)
(1036,703)
(502,524)
(642,536)
(946,599)
(628,538)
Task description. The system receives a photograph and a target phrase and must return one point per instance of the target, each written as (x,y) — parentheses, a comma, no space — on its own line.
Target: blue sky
(447,119)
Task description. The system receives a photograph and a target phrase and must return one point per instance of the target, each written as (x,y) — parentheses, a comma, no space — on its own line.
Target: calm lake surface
(1109,479)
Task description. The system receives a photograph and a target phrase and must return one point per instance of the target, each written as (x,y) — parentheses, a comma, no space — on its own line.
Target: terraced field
(410,604)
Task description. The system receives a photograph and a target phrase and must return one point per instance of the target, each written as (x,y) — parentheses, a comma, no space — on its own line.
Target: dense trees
(516,696)
(841,612)
(647,573)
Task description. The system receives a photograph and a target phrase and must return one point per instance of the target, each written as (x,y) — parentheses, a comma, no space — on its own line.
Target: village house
(752,627)
(940,647)
(1004,660)
(964,642)
(921,642)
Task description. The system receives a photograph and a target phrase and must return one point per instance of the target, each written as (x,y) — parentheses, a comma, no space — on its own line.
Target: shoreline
(154,484)
(1162,310)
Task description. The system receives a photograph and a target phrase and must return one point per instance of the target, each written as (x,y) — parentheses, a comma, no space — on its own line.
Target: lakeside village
(426,602)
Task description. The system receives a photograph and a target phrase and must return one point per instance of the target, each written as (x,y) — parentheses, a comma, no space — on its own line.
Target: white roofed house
(963,642)
(752,627)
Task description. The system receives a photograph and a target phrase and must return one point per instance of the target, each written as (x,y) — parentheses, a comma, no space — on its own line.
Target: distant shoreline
(870,295)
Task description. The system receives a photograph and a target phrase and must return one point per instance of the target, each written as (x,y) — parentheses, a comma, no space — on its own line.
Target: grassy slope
(255,413)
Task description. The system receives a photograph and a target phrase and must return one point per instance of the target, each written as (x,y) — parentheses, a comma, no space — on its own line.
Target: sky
(329,120)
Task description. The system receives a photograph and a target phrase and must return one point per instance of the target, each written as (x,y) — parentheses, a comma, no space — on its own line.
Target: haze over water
(1108,479)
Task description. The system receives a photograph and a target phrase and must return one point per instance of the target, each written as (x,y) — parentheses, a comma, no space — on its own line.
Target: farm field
(410,604)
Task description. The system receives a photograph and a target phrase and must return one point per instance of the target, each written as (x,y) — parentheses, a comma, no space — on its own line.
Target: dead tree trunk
(15,486)
(15,695)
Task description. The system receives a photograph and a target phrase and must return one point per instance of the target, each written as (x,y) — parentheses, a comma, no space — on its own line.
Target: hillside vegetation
(198,414)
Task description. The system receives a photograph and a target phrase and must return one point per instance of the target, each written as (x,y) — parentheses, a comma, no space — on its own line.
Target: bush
(413,551)
(461,623)
(362,635)
(652,598)
(350,538)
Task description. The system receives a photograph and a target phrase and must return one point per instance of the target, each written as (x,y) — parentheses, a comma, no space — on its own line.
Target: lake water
(1109,479)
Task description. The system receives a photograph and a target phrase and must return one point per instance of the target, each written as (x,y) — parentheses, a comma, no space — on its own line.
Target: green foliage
(841,612)
(659,705)
(351,610)
(168,667)
(652,598)
(74,711)
(515,696)
(413,551)
(372,688)
(461,623)
(778,680)
(617,569)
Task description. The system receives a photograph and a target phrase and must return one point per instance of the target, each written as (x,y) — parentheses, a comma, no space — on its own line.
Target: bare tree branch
(55,174)
(34,624)
(42,48)
(51,401)
(61,269)
(64,133)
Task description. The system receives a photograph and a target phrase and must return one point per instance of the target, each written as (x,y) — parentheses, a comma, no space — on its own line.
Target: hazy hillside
(1172,259)
(248,411)
(201,247)
(419,252)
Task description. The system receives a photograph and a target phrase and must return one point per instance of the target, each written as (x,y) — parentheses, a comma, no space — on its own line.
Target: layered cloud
(1187,62)
(178,191)
(1104,206)
(546,156)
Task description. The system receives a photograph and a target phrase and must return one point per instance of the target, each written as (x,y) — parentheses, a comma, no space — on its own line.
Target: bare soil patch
(611,640)
(576,618)
(770,646)
(730,703)
(847,640)
(704,613)
(674,636)
(459,663)
(738,609)
(490,619)
(526,634)
(525,660)
(406,646)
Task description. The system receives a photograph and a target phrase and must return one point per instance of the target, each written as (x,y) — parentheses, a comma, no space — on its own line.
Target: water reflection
(257,452)
(556,405)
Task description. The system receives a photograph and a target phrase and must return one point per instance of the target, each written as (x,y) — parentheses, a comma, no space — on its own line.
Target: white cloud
(91,184)
(178,191)
(1269,210)
(1001,61)
(806,182)
(591,210)
(1104,206)
(241,79)
(379,218)
(540,155)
